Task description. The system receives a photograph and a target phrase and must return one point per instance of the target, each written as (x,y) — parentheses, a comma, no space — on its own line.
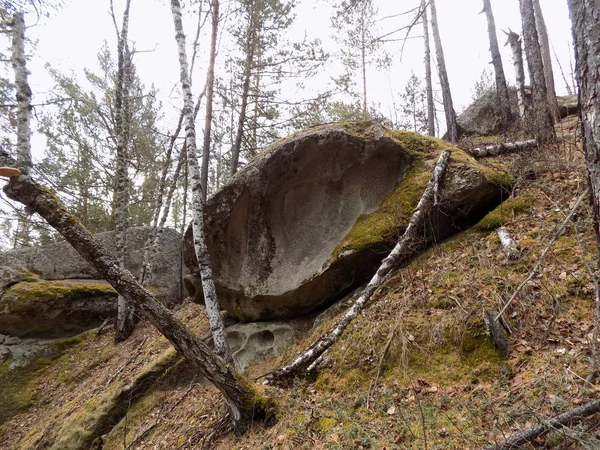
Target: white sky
(70,39)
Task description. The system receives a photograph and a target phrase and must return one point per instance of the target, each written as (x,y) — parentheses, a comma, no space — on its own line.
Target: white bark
(23,95)
(514,40)
(125,321)
(428,79)
(451,124)
(509,246)
(507,147)
(402,249)
(208,285)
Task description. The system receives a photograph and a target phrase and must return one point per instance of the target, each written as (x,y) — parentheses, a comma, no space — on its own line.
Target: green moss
(418,144)
(43,290)
(18,386)
(395,210)
(326,424)
(504,213)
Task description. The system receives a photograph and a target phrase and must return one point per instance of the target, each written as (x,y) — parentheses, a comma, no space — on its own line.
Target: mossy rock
(313,216)
(55,308)
(504,213)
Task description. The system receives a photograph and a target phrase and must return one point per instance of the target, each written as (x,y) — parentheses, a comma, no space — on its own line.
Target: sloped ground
(441,382)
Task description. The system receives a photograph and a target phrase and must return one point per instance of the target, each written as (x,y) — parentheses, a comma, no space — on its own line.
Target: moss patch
(504,213)
(43,290)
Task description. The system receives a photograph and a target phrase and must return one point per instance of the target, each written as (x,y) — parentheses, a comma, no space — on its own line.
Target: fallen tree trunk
(509,247)
(508,147)
(245,403)
(402,249)
(569,418)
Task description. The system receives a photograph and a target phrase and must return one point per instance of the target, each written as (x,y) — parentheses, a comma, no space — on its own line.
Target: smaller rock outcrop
(50,291)
(55,308)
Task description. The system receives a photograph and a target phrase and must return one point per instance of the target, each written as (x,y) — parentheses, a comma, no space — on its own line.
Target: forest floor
(417,370)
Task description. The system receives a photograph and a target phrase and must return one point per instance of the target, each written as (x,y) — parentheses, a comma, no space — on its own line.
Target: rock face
(50,291)
(483,117)
(61,262)
(314,214)
(51,309)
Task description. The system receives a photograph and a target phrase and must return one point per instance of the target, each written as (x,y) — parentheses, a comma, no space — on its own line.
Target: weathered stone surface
(12,272)
(483,117)
(55,308)
(61,262)
(313,216)
(254,342)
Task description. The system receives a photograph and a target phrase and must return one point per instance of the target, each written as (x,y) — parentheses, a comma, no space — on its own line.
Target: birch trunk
(541,117)
(501,86)
(546,58)
(451,124)
(250,51)
(210,87)
(210,295)
(363,57)
(507,147)
(586,36)
(402,249)
(428,80)
(509,247)
(514,40)
(245,402)
(19,63)
(125,317)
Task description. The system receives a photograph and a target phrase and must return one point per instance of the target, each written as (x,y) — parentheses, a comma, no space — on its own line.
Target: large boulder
(313,216)
(60,261)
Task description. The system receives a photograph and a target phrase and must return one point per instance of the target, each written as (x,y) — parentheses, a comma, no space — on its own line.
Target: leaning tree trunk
(210,88)
(252,36)
(586,36)
(546,58)
(501,86)
(541,117)
(405,246)
(125,316)
(208,284)
(428,81)
(245,403)
(451,123)
(514,40)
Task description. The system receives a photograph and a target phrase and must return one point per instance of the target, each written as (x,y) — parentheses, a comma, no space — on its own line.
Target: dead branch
(507,147)
(535,269)
(402,249)
(509,247)
(497,333)
(566,419)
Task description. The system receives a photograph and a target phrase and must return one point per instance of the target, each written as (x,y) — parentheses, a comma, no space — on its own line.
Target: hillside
(416,370)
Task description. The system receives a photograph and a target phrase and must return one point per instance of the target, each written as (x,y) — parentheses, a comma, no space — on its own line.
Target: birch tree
(125,314)
(202,255)
(210,87)
(501,86)
(514,41)
(586,34)
(541,117)
(428,78)
(451,124)
(245,403)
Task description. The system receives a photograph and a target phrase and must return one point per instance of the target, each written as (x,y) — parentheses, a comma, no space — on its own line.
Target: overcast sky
(70,39)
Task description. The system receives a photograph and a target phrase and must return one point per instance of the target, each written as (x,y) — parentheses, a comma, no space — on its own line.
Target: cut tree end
(9,172)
